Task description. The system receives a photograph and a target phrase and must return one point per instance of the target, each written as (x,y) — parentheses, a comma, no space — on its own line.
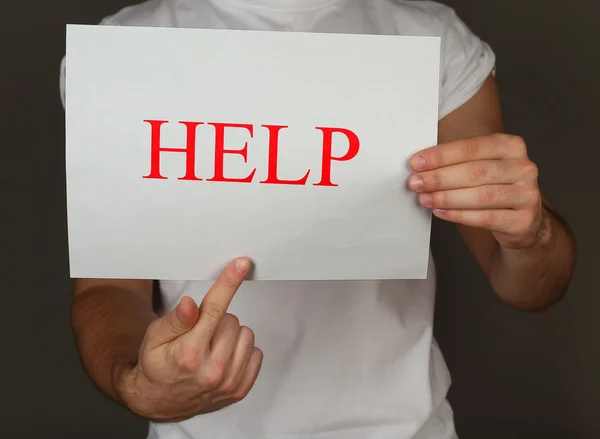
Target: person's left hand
(486,182)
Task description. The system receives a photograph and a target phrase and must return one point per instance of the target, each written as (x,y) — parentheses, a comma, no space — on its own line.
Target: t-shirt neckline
(280,5)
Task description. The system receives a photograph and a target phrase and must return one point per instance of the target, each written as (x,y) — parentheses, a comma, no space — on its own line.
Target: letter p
(353,147)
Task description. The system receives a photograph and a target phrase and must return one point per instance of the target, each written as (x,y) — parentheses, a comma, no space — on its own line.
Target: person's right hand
(195,360)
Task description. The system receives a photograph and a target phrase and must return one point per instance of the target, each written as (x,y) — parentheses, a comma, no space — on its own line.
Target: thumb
(179,321)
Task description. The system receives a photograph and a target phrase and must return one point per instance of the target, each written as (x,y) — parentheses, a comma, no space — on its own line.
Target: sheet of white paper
(383,89)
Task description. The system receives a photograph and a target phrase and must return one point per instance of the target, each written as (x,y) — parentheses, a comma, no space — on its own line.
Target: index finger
(216,302)
(492,147)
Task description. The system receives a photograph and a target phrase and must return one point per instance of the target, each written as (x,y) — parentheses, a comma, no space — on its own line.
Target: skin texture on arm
(484,181)
(109,319)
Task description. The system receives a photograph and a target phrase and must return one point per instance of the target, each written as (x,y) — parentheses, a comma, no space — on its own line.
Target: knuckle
(499,138)
(477,172)
(530,169)
(471,148)
(499,169)
(517,144)
(436,157)
(240,394)
(212,378)
(488,196)
(489,218)
(231,320)
(228,387)
(247,335)
(532,196)
(212,310)
(259,354)
(188,360)
(527,218)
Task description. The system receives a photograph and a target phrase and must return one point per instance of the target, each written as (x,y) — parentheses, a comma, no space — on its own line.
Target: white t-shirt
(342,359)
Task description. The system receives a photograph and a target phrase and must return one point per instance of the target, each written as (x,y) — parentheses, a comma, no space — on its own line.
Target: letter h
(189,150)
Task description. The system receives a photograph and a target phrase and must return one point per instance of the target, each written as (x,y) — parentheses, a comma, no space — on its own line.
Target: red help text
(189,150)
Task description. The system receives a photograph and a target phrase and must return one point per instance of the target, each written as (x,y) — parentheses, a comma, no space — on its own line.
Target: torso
(343,360)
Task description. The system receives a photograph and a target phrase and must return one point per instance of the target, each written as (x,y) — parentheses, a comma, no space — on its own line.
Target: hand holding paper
(487,182)
(195,360)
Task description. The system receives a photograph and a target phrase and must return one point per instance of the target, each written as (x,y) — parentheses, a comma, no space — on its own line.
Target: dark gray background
(515,375)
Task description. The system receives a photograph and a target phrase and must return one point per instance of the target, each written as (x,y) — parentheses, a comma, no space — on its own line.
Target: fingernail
(426,200)
(439,211)
(416,183)
(419,163)
(242,266)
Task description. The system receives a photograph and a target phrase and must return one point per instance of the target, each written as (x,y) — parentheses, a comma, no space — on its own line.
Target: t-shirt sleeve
(466,60)
(63,66)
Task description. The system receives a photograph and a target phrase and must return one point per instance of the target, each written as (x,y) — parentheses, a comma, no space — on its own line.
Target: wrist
(127,387)
(540,238)
(134,394)
(546,228)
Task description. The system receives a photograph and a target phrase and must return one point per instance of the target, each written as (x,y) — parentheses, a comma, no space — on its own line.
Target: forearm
(536,277)
(109,324)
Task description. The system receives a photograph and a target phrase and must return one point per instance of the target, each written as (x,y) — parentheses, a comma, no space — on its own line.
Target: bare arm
(109,319)
(533,273)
